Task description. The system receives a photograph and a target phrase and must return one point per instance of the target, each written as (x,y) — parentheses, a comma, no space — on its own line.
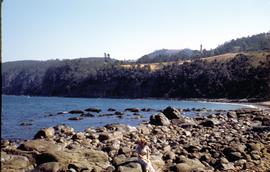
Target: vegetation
(239,75)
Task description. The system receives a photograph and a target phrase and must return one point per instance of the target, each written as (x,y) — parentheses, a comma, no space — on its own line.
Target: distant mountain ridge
(259,42)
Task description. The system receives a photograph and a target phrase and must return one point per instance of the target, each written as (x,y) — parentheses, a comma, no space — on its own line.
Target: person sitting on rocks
(143,154)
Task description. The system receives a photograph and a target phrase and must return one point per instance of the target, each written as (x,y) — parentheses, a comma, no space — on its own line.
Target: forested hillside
(243,76)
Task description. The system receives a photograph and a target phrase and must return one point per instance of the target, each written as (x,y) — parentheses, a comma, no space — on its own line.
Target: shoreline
(235,141)
(260,102)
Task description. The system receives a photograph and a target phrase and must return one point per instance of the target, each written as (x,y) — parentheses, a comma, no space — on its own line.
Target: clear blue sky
(127,29)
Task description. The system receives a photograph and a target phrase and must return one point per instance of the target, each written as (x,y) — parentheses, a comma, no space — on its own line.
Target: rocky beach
(237,140)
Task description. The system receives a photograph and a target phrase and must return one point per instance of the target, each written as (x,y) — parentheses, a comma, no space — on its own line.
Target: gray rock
(97,110)
(159,119)
(172,113)
(45,133)
(130,167)
(76,112)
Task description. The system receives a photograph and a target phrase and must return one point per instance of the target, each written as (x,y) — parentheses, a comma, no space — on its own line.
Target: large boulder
(188,165)
(172,113)
(15,163)
(45,133)
(39,145)
(159,119)
(77,158)
(157,163)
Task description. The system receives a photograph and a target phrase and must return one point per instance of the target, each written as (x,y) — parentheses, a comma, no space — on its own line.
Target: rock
(261,129)
(13,163)
(172,113)
(159,119)
(111,109)
(119,159)
(247,111)
(231,154)
(255,146)
(26,124)
(266,121)
(87,115)
(45,133)
(79,136)
(130,167)
(189,165)
(169,156)
(224,165)
(76,112)
(93,110)
(231,114)
(207,123)
(39,145)
(64,129)
(132,109)
(158,163)
(118,113)
(64,112)
(121,127)
(75,118)
(124,150)
(79,159)
(105,136)
(48,167)
(147,109)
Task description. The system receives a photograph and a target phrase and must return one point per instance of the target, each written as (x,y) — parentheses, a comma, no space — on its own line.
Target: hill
(259,42)
(234,76)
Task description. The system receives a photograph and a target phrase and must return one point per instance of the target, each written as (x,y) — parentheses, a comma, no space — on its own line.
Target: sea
(41,112)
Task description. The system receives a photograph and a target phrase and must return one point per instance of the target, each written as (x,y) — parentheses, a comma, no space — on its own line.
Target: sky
(126,29)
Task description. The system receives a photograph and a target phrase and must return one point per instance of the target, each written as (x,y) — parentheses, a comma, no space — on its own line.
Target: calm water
(18,109)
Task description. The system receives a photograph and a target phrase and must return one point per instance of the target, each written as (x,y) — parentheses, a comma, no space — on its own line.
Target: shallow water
(36,110)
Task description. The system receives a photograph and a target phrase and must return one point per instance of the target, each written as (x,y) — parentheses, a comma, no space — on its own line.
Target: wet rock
(118,113)
(97,110)
(26,124)
(111,110)
(147,109)
(172,113)
(107,114)
(62,113)
(76,112)
(45,133)
(75,118)
(87,115)
(132,109)
(159,119)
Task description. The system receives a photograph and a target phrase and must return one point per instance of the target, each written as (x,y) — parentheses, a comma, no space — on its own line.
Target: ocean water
(42,112)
